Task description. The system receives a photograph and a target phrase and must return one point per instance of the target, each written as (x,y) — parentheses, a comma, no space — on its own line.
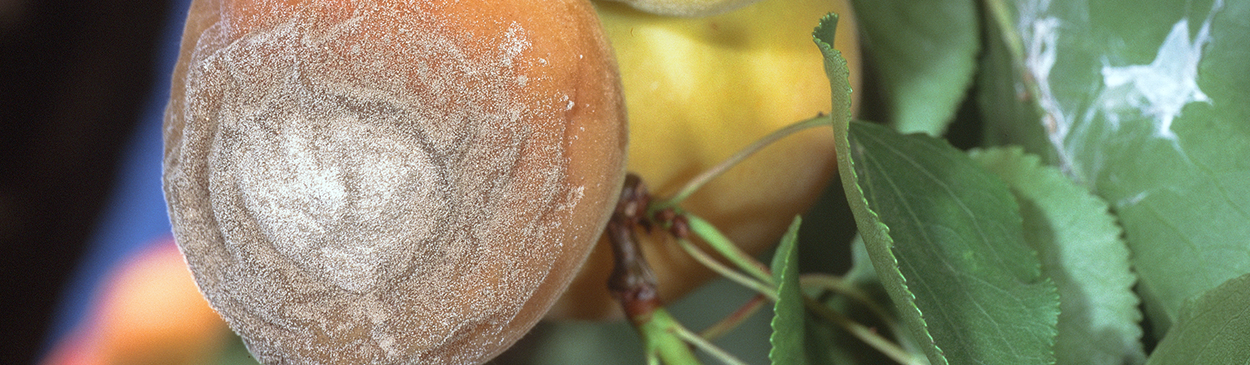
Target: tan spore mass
(388,181)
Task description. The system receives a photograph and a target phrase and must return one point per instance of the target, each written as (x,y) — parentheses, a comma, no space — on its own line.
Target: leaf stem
(703,344)
(724,246)
(765,289)
(766,285)
(862,332)
(837,285)
(1000,14)
(662,336)
(698,181)
(734,319)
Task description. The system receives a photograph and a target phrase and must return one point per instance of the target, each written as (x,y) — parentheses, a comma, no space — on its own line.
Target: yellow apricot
(698,90)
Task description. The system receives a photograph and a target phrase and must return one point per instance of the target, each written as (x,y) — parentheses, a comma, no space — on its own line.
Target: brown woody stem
(633,283)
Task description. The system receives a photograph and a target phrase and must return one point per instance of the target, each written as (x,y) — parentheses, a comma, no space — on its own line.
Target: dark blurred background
(74,76)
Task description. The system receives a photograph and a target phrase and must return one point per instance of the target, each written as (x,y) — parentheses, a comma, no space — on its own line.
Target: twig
(633,285)
(734,319)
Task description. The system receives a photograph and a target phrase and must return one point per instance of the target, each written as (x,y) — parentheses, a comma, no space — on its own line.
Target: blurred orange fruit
(149,312)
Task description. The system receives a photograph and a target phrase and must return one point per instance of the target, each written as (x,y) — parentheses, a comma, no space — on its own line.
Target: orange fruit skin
(547,69)
(700,89)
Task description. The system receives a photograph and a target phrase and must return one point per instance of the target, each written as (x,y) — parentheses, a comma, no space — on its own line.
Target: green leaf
(1145,106)
(960,275)
(965,278)
(787,338)
(1081,250)
(1213,328)
(987,303)
(820,334)
(835,69)
(925,52)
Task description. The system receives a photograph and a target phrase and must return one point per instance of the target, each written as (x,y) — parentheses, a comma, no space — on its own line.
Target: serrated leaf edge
(783,264)
(871,227)
(1035,169)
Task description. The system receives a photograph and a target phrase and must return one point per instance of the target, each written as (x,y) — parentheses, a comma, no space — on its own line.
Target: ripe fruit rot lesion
(333,167)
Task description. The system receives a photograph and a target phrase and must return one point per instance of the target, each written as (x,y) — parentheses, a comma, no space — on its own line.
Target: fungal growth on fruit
(388,181)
